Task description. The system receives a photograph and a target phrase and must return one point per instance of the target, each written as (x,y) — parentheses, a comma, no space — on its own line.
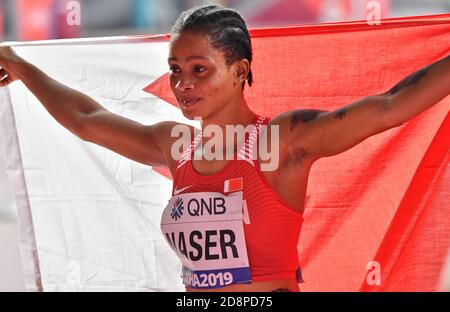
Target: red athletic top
(273,229)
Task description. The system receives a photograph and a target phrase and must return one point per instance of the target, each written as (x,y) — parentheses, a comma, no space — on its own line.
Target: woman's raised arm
(322,133)
(86,118)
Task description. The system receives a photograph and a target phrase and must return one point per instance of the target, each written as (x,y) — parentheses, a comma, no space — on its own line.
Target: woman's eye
(199,69)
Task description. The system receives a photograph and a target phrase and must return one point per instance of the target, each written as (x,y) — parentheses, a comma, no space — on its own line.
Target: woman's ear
(242,69)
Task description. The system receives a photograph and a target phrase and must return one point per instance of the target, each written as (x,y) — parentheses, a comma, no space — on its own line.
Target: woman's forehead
(190,46)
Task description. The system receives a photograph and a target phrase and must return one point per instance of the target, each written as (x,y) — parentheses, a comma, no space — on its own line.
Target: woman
(234,226)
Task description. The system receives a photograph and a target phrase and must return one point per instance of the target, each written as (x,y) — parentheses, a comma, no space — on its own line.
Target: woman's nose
(184,84)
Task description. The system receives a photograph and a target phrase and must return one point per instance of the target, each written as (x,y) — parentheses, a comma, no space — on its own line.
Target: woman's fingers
(4,51)
(8,60)
(4,82)
(5,78)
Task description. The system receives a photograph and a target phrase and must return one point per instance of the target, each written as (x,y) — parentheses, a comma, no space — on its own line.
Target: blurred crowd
(53,19)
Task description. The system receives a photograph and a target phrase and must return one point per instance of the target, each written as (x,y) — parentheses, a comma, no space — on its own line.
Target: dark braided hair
(225,27)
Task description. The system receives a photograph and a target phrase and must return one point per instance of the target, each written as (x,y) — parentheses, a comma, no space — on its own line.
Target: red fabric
(421,224)
(273,224)
(358,198)
(387,199)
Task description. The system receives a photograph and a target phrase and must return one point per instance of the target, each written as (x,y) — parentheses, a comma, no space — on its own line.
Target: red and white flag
(378,215)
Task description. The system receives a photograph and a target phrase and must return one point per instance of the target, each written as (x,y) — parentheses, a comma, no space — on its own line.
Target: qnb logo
(211,206)
(177,210)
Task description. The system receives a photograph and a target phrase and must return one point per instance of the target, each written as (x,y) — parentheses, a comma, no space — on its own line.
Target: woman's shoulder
(282,122)
(172,132)
(173,138)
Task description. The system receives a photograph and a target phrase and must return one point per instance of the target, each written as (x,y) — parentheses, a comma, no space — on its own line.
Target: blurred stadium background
(24,20)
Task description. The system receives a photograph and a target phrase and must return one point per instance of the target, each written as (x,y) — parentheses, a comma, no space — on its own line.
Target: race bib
(206,231)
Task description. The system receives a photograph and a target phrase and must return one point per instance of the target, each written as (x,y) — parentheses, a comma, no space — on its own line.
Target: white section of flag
(93,213)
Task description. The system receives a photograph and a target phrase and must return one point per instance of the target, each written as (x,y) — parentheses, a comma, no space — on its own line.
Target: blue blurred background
(52,19)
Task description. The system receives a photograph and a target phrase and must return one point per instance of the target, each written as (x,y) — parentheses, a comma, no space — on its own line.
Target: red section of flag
(355,196)
(164,171)
(421,225)
(387,199)
(161,88)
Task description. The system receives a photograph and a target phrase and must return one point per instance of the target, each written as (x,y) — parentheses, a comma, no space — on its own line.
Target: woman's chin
(191,115)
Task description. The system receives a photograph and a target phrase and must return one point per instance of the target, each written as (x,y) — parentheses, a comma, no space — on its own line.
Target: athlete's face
(200,79)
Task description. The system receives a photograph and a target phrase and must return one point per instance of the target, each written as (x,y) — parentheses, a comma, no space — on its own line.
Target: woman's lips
(189,102)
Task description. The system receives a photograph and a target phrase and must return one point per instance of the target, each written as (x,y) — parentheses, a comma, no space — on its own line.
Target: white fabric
(92,215)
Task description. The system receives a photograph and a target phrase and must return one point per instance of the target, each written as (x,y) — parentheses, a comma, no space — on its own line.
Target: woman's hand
(8,59)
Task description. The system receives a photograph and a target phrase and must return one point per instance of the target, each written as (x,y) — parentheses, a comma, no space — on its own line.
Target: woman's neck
(239,114)
(231,115)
